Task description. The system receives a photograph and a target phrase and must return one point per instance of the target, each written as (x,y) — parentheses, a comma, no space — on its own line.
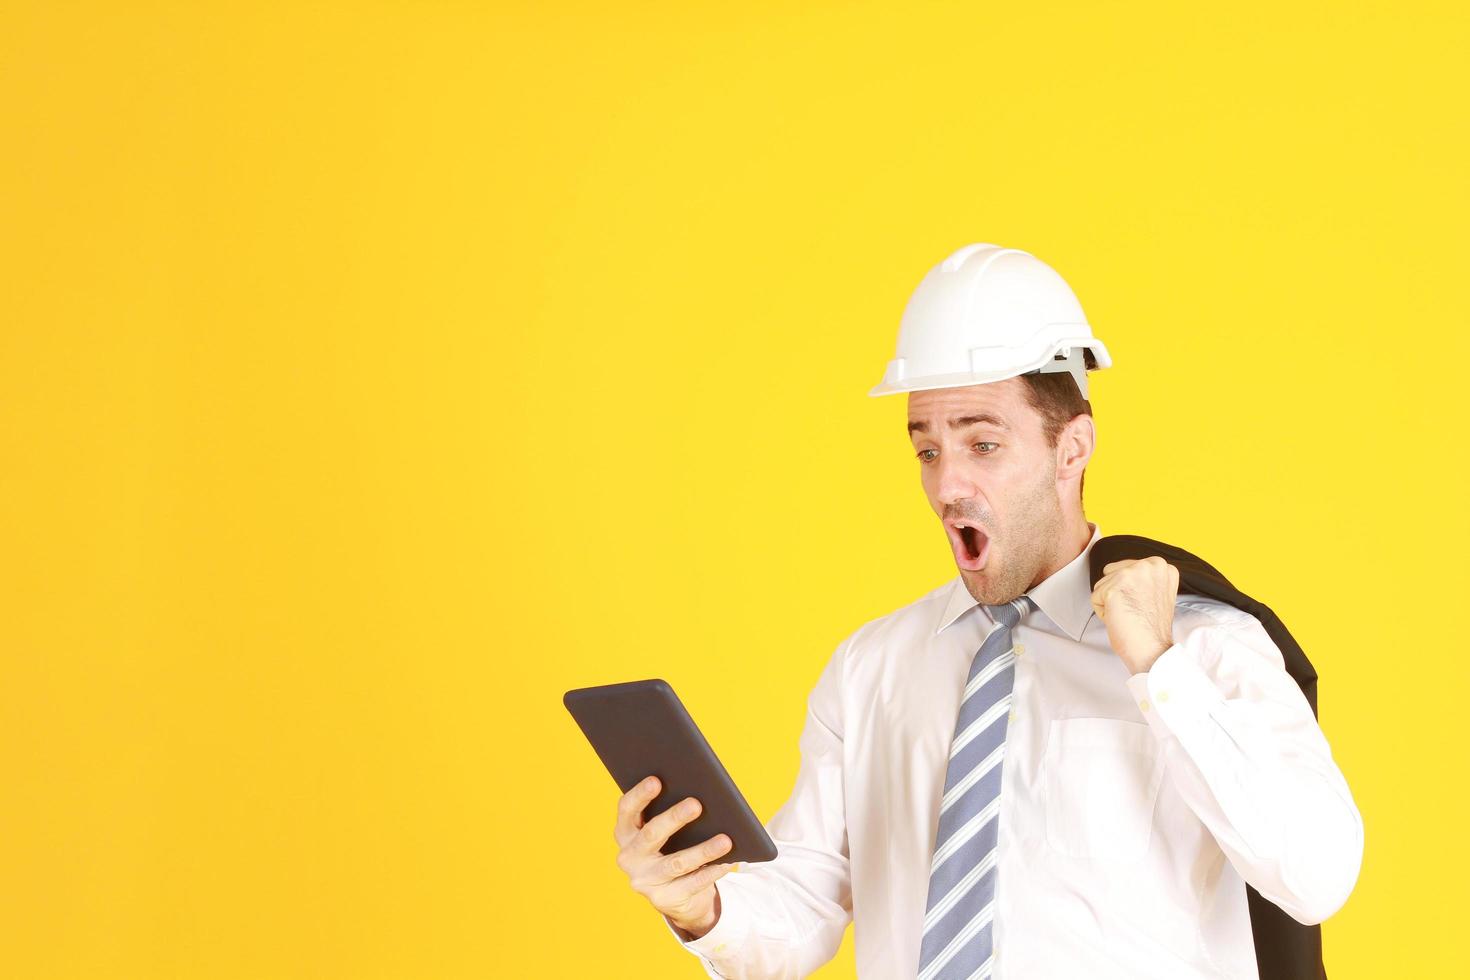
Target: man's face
(991,478)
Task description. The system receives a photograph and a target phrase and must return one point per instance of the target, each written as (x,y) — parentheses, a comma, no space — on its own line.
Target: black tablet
(640,729)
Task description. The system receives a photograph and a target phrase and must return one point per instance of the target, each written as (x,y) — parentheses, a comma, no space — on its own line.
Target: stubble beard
(1029,539)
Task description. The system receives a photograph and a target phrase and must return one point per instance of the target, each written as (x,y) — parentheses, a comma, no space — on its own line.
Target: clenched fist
(680,885)
(1135,600)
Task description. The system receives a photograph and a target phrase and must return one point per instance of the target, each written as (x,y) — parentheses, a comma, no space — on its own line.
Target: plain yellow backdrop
(372,373)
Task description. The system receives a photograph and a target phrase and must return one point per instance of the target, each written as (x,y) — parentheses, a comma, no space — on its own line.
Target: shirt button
(1012,715)
(1163,696)
(1020,649)
(720,948)
(1143,704)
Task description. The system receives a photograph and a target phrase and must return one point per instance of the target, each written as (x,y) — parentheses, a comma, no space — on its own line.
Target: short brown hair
(1057,399)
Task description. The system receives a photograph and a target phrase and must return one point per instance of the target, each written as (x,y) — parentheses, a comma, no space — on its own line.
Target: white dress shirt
(1134,809)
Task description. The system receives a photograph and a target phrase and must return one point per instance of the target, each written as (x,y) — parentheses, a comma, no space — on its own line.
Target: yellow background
(373,373)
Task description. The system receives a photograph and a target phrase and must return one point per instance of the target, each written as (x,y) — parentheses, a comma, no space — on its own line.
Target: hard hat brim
(964,379)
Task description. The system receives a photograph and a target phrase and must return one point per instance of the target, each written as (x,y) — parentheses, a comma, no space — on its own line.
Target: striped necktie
(956,943)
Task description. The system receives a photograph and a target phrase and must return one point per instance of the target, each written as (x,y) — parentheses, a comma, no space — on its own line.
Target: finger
(1103,598)
(658,830)
(682,889)
(630,809)
(690,858)
(1100,595)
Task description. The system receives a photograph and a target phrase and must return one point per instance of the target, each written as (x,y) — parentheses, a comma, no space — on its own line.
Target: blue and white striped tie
(957,943)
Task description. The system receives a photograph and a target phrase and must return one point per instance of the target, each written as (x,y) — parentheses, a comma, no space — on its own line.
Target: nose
(952,479)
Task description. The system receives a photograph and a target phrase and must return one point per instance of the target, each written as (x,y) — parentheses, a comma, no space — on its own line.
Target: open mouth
(970,542)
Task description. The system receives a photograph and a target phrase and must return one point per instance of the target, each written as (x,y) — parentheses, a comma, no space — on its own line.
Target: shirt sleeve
(786,917)
(1245,751)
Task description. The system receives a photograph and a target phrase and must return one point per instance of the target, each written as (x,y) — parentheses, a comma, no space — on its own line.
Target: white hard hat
(985,314)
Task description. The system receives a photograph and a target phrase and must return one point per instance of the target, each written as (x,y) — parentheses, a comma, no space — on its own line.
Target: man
(1019,775)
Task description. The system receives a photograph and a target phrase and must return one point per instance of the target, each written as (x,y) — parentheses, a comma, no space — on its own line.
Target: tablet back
(641,729)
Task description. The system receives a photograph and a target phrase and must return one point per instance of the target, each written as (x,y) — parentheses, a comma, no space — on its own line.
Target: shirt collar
(1065,595)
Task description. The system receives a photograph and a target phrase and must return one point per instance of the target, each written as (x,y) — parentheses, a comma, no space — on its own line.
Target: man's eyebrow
(962,421)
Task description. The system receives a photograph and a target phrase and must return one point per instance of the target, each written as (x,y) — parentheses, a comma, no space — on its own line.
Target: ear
(1075,444)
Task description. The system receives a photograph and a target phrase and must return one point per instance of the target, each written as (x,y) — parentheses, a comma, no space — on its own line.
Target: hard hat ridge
(987,313)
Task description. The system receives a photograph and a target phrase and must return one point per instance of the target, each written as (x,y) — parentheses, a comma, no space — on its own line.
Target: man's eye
(922,457)
(987,444)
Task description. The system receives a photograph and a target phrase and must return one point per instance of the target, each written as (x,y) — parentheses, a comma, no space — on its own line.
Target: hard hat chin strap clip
(1069,359)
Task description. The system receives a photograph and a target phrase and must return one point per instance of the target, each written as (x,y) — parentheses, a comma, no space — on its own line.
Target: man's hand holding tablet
(680,885)
(650,745)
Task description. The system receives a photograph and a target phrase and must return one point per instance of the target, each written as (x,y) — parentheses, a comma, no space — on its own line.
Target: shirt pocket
(1101,779)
